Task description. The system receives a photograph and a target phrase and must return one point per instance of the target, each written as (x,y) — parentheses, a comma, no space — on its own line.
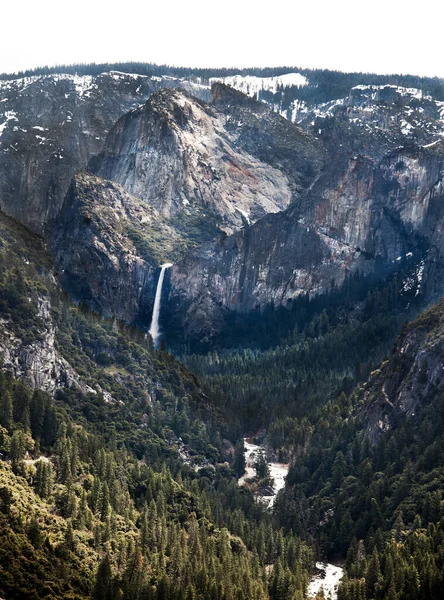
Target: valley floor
(329,574)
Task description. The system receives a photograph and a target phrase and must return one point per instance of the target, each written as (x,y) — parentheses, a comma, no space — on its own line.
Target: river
(278,471)
(328,579)
(329,575)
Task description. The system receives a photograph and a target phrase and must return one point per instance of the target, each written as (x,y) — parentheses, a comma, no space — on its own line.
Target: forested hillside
(119,485)
(371,482)
(77,506)
(275,368)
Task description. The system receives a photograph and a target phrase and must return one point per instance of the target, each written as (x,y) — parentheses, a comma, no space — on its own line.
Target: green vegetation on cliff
(120,485)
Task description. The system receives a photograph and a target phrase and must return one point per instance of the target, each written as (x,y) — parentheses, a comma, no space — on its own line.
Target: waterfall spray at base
(154,327)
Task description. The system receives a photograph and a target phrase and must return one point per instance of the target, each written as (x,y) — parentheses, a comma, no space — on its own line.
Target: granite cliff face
(257,129)
(38,363)
(53,345)
(413,375)
(369,205)
(183,177)
(28,330)
(251,208)
(51,125)
(107,247)
(199,162)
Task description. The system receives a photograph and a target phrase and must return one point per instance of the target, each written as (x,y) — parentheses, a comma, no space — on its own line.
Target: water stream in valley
(154,327)
(328,579)
(278,472)
(329,575)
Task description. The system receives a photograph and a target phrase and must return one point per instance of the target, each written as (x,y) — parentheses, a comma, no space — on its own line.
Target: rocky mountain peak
(51,125)
(176,154)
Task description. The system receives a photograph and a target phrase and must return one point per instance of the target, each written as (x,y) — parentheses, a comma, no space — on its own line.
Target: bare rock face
(269,137)
(38,363)
(172,176)
(359,212)
(255,266)
(251,208)
(50,126)
(107,247)
(414,374)
(185,158)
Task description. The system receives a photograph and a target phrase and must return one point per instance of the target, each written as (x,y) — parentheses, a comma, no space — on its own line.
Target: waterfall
(154,327)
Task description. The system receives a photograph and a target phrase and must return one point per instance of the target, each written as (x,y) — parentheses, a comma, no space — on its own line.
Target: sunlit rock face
(360,212)
(171,176)
(193,160)
(51,125)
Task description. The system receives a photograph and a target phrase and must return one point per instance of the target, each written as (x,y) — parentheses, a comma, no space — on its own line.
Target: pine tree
(69,541)
(6,412)
(103,584)
(34,533)
(43,479)
(373,576)
(17,452)
(239,458)
(21,402)
(261,465)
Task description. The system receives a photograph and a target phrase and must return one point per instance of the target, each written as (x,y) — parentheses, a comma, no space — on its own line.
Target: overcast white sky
(384,36)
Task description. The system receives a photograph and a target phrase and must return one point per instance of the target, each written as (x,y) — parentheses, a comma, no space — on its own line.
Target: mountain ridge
(299,250)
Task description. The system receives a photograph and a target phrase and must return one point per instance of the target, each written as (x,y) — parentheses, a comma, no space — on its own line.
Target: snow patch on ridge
(252,85)
(402,91)
(10,115)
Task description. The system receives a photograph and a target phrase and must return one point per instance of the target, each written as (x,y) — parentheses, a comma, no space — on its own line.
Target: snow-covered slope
(252,86)
(390,109)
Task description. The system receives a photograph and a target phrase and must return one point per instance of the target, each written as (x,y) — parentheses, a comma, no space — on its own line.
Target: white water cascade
(278,472)
(328,579)
(154,327)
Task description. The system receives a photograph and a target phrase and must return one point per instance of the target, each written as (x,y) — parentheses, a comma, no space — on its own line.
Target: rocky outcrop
(350,188)
(269,137)
(268,262)
(413,375)
(38,363)
(51,125)
(107,246)
(192,160)
(357,214)
(182,178)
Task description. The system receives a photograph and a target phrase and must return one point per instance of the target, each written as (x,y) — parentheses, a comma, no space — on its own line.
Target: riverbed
(328,579)
(278,471)
(330,575)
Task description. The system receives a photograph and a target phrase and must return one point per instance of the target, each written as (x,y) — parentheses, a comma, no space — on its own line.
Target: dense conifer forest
(274,368)
(380,503)
(87,509)
(95,501)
